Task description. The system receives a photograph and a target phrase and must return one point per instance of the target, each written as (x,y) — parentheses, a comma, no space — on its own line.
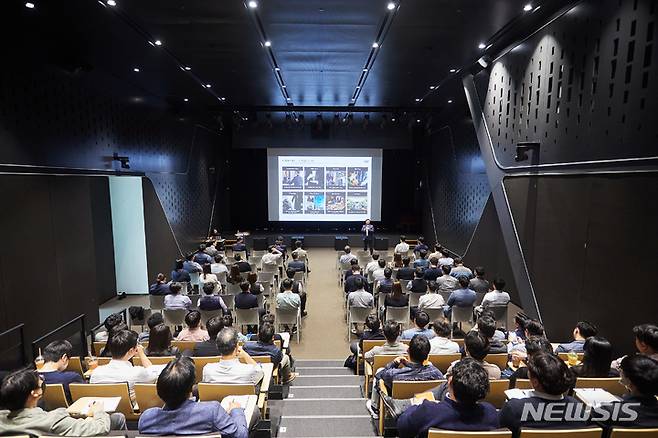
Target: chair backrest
(299,276)
(286,316)
(500,360)
(445,296)
(262,359)
(611,384)
(103,360)
(194,278)
(266,277)
(594,432)
(434,314)
(155,360)
(247,316)
(183,345)
(499,313)
(156,302)
(75,364)
(443,361)
(345,266)
(369,344)
(202,361)
(359,314)
(436,433)
(79,390)
(398,314)
(407,389)
(406,284)
(496,395)
(98,346)
(54,397)
(221,277)
(174,317)
(633,433)
(146,396)
(381,299)
(217,391)
(381,360)
(233,289)
(207,315)
(414,297)
(229,301)
(479,296)
(523,384)
(565,356)
(462,314)
(268,268)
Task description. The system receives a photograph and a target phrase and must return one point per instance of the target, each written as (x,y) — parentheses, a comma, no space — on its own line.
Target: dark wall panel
(101,212)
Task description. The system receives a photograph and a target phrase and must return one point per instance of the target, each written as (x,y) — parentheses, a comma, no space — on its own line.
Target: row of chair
(594,432)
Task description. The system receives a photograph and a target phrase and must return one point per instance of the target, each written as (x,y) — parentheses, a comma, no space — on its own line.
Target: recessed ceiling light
(208,85)
(432,87)
(222,99)
(268,43)
(527,7)
(186,100)
(283,86)
(358,86)
(111,2)
(450,101)
(136,69)
(417,120)
(187,68)
(253,4)
(390,6)
(393,119)
(158,43)
(277,69)
(29,5)
(365,70)
(288,98)
(417,99)
(481,46)
(452,70)
(375,45)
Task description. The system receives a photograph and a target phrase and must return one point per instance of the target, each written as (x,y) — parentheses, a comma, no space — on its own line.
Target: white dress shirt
(439,345)
(430,301)
(177,301)
(209,278)
(218,268)
(402,248)
(378,274)
(232,371)
(117,371)
(370,267)
(271,259)
(495,298)
(360,298)
(347,258)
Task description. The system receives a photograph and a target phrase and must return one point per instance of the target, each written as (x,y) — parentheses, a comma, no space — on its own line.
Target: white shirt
(371,266)
(177,301)
(301,253)
(210,278)
(439,345)
(217,268)
(446,261)
(232,371)
(378,274)
(270,259)
(496,298)
(347,258)
(360,298)
(117,371)
(430,301)
(402,248)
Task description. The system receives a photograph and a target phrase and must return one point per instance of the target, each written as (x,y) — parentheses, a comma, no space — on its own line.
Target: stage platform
(322,240)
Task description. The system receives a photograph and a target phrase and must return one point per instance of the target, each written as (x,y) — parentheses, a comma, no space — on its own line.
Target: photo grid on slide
(313,190)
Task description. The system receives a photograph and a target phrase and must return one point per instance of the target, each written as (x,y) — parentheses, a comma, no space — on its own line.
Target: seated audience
(206,277)
(20,394)
(272,258)
(295,264)
(386,284)
(436,253)
(639,373)
(212,250)
(405,272)
(446,283)
(193,331)
(476,346)
(179,274)
(378,273)
(402,247)
(516,346)
(105,352)
(209,301)
(414,367)
(297,288)
(596,360)
(242,265)
(421,322)
(646,342)
(240,246)
(56,359)
(440,344)
(181,415)
(418,285)
(360,297)
(348,256)
(160,287)
(534,345)
(264,346)
(461,409)
(372,265)
(153,320)
(396,298)
(422,263)
(235,275)
(433,271)
(463,297)
(190,265)
(245,300)
(421,245)
(551,379)
(582,331)
(254,287)
(123,346)
(109,322)
(459,270)
(301,252)
(497,297)
(478,283)
(431,300)
(175,300)
(201,257)
(160,342)
(235,365)
(227,321)
(373,331)
(445,259)
(219,266)
(487,326)
(209,347)
(287,300)
(350,281)
(392,345)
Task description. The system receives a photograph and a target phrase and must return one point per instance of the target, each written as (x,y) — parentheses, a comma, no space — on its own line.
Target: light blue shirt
(410,333)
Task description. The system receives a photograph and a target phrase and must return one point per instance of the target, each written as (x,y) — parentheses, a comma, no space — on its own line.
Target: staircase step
(319,363)
(326,379)
(319,371)
(326,406)
(319,426)
(340,391)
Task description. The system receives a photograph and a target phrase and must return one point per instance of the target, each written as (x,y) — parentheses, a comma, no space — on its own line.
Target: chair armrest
(367,368)
(262,397)
(382,388)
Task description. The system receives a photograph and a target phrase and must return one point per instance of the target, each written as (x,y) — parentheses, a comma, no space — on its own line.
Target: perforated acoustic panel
(584,86)
(457,184)
(52,118)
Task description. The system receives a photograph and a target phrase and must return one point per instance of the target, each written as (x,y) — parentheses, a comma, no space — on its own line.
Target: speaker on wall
(260,243)
(340,242)
(381,244)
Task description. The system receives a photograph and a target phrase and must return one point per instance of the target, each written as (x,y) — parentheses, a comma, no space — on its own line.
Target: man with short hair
(445,259)
(459,270)
(209,348)
(422,262)
(183,416)
(123,347)
(373,332)
(242,265)
(239,246)
(421,321)
(431,300)
(646,342)
(446,283)
(153,320)
(360,297)
(415,368)
(297,288)
(463,297)
(56,356)
(348,256)
(295,264)
(421,246)
(461,409)
(190,265)
(265,347)
(487,326)
(392,345)
(218,267)
(272,258)
(418,285)
(212,250)
(441,344)
(497,297)
(378,273)
(201,257)
(288,300)
(350,284)
(402,247)
(433,271)
(160,287)
(371,266)
(406,272)
(176,300)
(235,365)
(581,332)
(476,346)
(386,284)
(478,283)
(436,253)
(22,390)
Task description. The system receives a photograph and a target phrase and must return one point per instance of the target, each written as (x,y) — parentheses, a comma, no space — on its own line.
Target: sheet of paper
(595,397)
(517,393)
(242,400)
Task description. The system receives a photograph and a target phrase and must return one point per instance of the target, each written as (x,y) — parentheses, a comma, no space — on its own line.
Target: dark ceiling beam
(328,109)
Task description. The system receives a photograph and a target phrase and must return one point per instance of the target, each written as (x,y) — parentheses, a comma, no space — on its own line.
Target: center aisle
(324,329)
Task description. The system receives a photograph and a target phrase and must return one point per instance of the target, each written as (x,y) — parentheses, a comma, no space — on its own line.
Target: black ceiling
(321,47)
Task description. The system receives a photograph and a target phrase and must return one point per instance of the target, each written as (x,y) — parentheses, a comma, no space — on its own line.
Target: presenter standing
(368,232)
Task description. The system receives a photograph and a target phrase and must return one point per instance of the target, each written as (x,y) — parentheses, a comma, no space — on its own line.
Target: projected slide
(318,187)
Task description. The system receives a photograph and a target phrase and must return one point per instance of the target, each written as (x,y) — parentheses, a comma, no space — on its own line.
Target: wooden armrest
(261,401)
(368,369)
(382,388)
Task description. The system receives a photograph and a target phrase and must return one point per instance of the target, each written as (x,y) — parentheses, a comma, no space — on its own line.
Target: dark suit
(297,266)
(245,300)
(406,273)
(350,283)
(205,348)
(243,266)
